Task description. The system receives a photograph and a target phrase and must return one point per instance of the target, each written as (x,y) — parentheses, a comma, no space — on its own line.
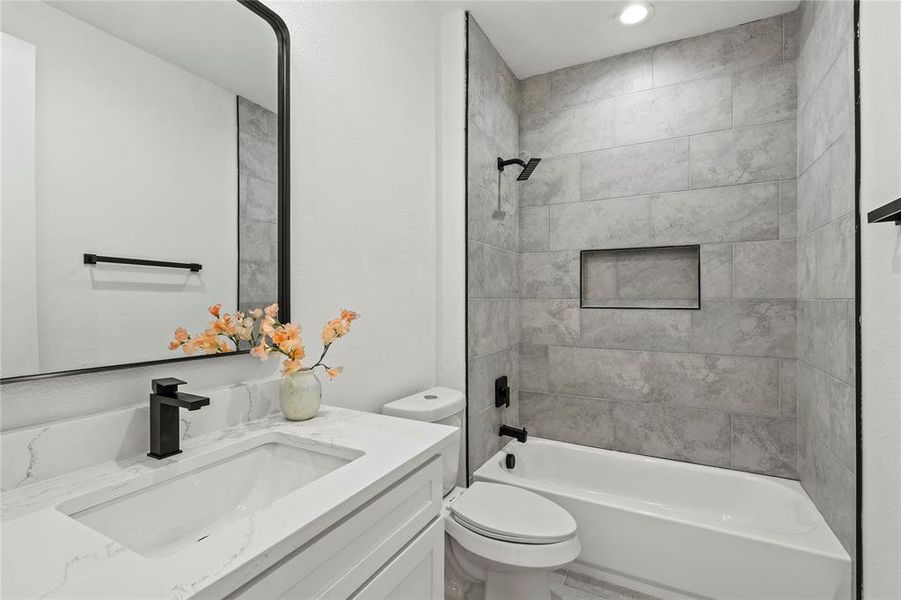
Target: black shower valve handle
(501,392)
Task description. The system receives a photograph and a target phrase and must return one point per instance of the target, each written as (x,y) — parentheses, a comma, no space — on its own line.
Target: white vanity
(345,505)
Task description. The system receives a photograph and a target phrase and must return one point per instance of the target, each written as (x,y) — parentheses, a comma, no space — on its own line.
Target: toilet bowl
(501,541)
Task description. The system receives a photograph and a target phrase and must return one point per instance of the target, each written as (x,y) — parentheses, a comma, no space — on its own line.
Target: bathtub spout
(515,432)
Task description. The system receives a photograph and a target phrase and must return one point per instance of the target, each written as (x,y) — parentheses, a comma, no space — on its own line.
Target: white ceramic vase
(300,396)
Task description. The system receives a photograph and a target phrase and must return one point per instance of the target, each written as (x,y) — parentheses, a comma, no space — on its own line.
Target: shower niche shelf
(656,277)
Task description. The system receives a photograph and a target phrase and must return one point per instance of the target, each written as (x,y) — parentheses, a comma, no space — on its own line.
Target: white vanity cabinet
(391,547)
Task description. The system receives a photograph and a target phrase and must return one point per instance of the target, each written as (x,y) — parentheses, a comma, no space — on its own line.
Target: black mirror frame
(284,204)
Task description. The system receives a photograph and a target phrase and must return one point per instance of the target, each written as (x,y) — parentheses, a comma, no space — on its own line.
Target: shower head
(527,167)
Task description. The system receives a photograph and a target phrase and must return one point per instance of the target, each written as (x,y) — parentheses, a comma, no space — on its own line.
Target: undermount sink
(186,501)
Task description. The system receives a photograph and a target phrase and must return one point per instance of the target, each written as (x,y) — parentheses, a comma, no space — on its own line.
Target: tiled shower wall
(826,250)
(493,277)
(257,205)
(691,142)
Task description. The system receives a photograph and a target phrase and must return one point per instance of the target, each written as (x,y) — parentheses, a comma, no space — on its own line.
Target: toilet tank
(436,405)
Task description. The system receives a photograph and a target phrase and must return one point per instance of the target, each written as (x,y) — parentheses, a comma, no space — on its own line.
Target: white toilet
(501,541)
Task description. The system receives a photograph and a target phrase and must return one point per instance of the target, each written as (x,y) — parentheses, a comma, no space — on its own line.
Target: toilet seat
(504,556)
(511,514)
(510,555)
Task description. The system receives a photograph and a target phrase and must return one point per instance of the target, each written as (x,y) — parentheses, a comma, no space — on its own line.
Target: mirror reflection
(140,176)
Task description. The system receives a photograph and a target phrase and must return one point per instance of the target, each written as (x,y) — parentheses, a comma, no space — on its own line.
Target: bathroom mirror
(144,177)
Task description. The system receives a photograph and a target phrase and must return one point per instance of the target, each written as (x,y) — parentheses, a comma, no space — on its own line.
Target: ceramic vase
(300,396)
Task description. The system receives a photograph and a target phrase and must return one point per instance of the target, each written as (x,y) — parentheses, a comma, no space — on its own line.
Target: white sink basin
(184,502)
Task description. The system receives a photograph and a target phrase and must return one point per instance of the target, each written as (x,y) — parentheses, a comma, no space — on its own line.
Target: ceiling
(536,37)
(222,42)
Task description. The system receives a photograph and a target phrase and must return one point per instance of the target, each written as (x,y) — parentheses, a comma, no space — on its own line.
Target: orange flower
(333,330)
(174,345)
(267,325)
(214,310)
(260,351)
(289,367)
(349,315)
(256,313)
(298,353)
(181,335)
(271,310)
(334,372)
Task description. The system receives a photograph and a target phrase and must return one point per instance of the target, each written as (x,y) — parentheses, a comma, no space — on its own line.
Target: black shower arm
(501,163)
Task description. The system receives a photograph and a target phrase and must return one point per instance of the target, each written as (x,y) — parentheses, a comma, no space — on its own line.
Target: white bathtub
(678,530)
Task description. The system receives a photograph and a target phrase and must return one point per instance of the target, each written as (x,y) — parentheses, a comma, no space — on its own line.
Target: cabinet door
(416,573)
(338,562)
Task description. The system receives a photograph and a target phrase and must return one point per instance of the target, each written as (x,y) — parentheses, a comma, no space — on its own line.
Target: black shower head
(527,168)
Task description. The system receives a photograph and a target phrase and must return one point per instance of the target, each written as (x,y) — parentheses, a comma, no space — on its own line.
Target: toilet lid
(512,514)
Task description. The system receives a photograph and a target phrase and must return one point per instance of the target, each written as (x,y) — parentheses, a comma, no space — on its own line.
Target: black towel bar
(887,212)
(93,259)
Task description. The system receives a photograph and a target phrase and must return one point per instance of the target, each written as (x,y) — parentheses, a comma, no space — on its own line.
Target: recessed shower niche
(664,277)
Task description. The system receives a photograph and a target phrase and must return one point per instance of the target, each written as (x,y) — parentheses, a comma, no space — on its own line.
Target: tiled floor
(566,585)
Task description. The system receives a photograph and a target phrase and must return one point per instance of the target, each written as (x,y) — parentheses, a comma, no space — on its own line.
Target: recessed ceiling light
(635,13)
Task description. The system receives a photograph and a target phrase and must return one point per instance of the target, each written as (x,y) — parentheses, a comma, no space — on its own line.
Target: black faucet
(165,400)
(515,432)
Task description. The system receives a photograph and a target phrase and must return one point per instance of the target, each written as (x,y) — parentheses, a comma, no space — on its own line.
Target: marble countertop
(47,554)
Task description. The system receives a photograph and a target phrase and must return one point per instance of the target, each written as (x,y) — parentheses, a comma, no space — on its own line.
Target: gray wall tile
(766,445)
(747,155)
(716,271)
(550,275)
(835,494)
(791,24)
(826,32)
(533,228)
(492,272)
(483,370)
(601,79)
(611,374)
(828,114)
(587,421)
(482,158)
(486,223)
(633,170)
(788,387)
(534,93)
(579,128)
(825,337)
(555,180)
(788,210)
(766,269)
(533,368)
(484,441)
(546,322)
(674,111)
(257,157)
(748,212)
(826,189)
(616,223)
(833,275)
(493,325)
(745,327)
(726,51)
(637,329)
(728,383)
(699,436)
(765,94)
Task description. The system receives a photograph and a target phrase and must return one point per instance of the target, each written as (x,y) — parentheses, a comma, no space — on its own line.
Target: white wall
(880,87)
(134,157)
(450,226)
(363,190)
(19,327)
(363,228)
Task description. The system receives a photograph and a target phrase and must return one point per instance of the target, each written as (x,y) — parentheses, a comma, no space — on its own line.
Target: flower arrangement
(228,331)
